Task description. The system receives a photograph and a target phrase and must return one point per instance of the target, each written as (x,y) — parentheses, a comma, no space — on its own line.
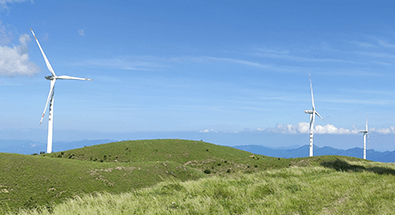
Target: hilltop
(28,181)
(46,180)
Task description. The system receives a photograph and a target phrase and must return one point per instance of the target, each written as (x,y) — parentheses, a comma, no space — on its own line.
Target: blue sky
(198,66)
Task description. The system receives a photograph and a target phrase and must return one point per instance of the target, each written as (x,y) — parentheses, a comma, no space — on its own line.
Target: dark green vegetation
(45,180)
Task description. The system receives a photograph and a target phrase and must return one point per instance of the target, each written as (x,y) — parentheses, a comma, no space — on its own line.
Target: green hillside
(200,155)
(341,187)
(28,181)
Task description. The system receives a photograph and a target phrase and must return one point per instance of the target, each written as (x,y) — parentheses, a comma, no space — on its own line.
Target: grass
(28,181)
(41,181)
(200,155)
(46,181)
(294,190)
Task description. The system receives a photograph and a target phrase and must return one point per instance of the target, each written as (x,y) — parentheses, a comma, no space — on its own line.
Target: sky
(161,68)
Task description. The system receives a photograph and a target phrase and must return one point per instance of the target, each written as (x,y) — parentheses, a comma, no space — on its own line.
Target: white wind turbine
(50,98)
(312,118)
(365,135)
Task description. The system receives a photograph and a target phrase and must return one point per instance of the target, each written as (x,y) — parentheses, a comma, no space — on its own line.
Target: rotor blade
(45,57)
(367,137)
(50,95)
(366,123)
(312,96)
(65,77)
(319,115)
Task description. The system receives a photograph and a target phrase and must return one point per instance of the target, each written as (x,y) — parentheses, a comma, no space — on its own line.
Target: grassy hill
(46,180)
(28,181)
(342,187)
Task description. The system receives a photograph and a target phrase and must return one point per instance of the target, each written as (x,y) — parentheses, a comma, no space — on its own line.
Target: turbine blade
(366,123)
(45,57)
(50,95)
(65,77)
(312,96)
(319,115)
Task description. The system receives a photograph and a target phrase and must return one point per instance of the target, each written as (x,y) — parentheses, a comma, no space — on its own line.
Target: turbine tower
(365,135)
(50,98)
(312,113)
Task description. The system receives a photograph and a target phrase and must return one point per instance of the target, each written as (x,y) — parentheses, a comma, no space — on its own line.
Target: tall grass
(295,190)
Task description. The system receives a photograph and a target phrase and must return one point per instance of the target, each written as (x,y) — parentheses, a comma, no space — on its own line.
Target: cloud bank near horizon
(303,128)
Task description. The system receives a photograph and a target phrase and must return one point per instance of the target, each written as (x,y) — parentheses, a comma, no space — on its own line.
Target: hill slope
(339,186)
(197,154)
(28,181)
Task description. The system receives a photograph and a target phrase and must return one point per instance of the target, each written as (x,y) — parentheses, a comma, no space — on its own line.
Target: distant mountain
(371,154)
(29,147)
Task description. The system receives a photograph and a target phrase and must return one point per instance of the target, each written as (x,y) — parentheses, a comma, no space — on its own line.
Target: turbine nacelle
(50,77)
(309,111)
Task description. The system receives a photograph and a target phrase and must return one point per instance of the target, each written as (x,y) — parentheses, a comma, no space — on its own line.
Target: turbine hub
(309,111)
(50,77)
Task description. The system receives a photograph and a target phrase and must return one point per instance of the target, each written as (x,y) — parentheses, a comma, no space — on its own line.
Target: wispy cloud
(361,101)
(376,54)
(363,44)
(5,36)
(4,3)
(11,1)
(126,63)
(384,43)
(81,32)
(286,55)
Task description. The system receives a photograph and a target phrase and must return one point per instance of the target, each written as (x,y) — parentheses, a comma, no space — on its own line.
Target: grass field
(27,181)
(294,190)
(182,176)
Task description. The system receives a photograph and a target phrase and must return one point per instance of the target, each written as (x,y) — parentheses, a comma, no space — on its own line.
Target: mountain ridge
(373,155)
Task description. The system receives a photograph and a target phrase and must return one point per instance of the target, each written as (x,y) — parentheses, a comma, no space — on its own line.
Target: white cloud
(207,131)
(5,36)
(390,130)
(127,63)
(15,60)
(81,32)
(303,128)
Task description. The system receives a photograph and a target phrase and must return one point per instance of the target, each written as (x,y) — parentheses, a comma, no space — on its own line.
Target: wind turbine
(50,98)
(312,113)
(365,135)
